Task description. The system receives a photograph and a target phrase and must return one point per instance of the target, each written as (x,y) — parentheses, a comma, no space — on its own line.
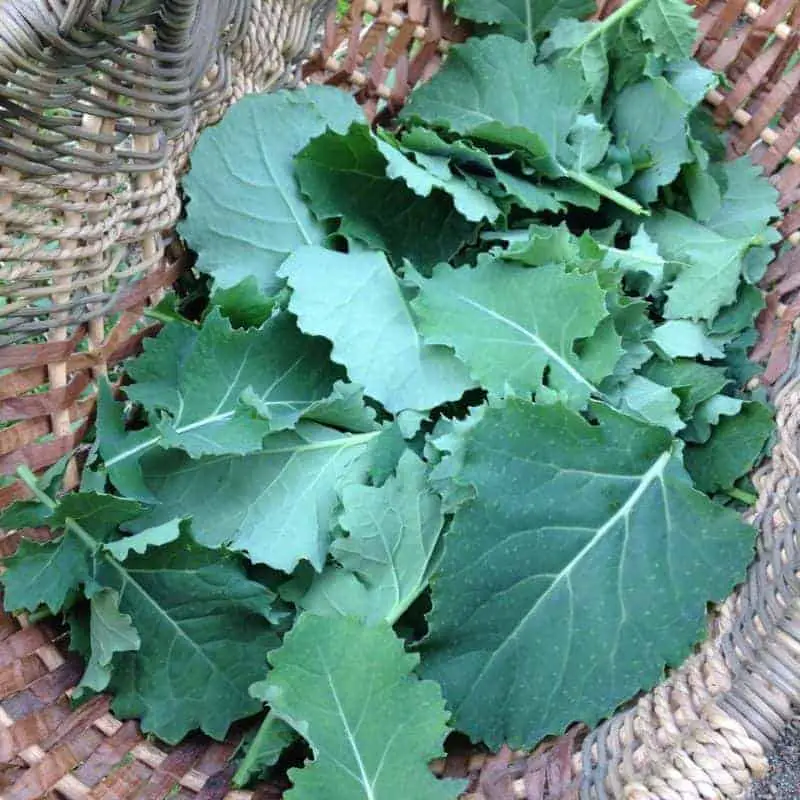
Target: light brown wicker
(701,734)
(98,112)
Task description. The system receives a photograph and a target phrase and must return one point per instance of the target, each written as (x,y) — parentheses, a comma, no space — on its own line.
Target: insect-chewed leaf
(348,689)
(582,566)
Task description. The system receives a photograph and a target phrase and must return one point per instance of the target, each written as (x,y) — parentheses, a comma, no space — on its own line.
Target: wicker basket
(94,131)
(702,734)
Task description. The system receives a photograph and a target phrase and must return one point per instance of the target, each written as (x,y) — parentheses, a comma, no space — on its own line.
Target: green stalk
(29,479)
(605,191)
(245,772)
(743,497)
(631,7)
(158,316)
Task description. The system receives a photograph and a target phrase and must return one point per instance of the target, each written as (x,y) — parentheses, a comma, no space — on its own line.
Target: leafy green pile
(466,400)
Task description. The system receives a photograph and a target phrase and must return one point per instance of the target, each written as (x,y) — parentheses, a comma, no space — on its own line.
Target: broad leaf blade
(669,25)
(233,388)
(522,19)
(246,213)
(204,631)
(508,324)
(472,95)
(582,567)
(348,689)
(357,302)
(387,559)
(277,506)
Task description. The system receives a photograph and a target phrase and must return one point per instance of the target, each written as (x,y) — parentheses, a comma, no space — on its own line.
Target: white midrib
(127,578)
(552,354)
(365,781)
(653,473)
(200,423)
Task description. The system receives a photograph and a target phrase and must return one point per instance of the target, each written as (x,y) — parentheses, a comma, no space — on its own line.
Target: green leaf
(694,383)
(387,559)
(559,581)
(543,244)
(202,625)
(579,41)
(344,409)
(277,506)
(660,135)
(244,304)
(508,324)
(120,447)
(358,303)
(271,739)
(703,191)
(649,401)
(522,19)
(246,214)
(44,574)
(669,25)
(691,80)
(710,265)
(748,204)
(732,449)
(707,414)
(471,203)
(204,631)
(24,514)
(348,177)
(640,257)
(681,337)
(472,95)
(151,537)
(349,690)
(110,632)
(235,387)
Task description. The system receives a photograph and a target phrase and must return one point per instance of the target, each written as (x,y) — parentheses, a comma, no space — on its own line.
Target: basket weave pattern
(94,132)
(702,734)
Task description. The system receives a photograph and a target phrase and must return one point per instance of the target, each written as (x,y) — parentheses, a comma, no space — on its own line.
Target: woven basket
(702,734)
(95,127)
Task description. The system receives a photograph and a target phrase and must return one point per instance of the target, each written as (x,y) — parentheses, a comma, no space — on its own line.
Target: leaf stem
(609,22)
(743,497)
(29,479)
(160,316)
(244,774)
(595,185)
(39,615)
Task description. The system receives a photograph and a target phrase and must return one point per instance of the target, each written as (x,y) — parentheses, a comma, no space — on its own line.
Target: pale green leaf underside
(277,505)
(357,302)
(386,560)
(348,689)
